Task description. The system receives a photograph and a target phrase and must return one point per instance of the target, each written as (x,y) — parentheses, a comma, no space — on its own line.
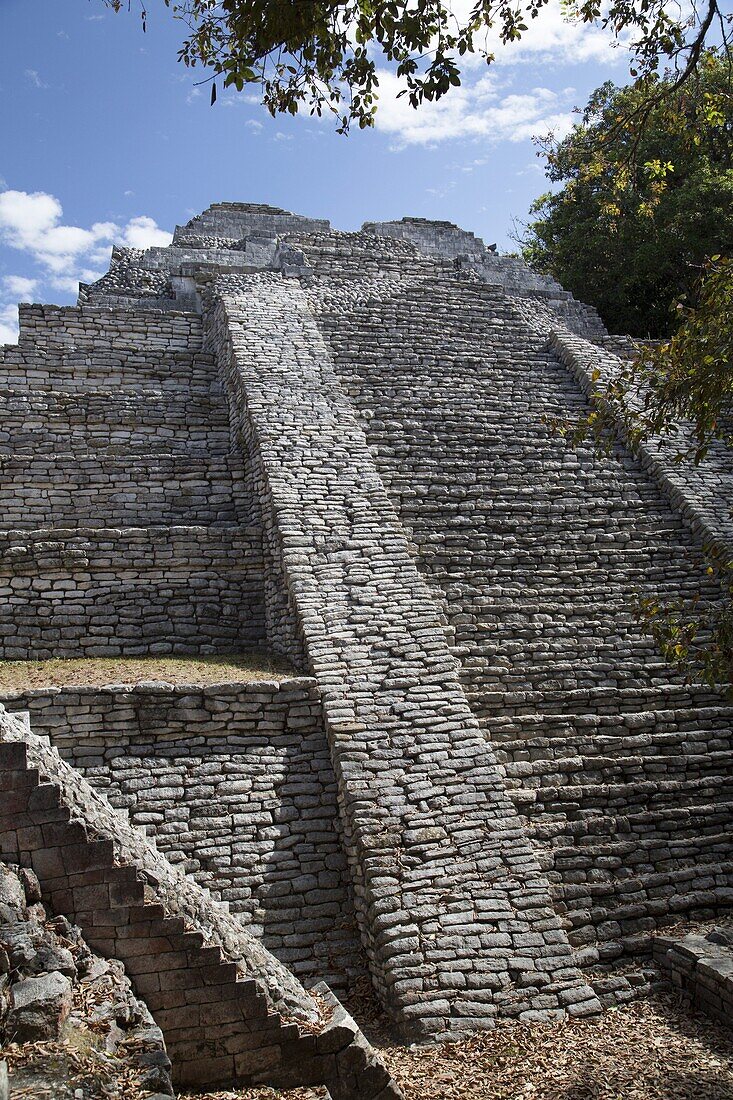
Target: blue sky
(105,138)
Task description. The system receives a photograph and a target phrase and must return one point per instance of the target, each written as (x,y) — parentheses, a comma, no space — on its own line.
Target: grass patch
(99,671)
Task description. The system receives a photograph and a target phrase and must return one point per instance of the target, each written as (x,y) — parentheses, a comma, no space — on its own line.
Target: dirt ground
(98,671)
(649,1050)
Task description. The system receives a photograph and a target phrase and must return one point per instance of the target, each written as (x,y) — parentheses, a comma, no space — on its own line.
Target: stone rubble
(54,989)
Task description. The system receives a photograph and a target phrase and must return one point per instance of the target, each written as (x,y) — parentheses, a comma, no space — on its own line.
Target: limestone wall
(235,783)
(114,421)
(55,491)
(63,328)
(235,219)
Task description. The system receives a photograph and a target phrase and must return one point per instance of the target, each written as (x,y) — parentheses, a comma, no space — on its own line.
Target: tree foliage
(646,197)
(318,54)
(682,391)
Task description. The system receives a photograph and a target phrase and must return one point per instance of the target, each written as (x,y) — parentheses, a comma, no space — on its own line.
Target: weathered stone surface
(88,1011)
(39,1007)
(229,1010)
(701,967)
(340,445)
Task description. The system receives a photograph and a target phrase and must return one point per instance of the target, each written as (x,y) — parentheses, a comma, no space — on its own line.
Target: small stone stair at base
(219,1027)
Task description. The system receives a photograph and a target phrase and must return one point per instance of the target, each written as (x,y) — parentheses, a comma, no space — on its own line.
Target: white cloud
(473,110)
(144,232)
(253,125)
(35,78)
(551,39)
(8,324)
(19,286)
(31,223)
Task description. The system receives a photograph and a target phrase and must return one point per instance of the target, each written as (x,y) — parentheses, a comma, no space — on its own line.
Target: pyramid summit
(481,786)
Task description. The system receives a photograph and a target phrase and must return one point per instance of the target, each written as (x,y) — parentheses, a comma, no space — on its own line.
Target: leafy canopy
(318,54)
(646,197)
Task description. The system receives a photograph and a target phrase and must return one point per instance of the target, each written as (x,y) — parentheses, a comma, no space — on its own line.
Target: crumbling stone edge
(592,367)
(702,968)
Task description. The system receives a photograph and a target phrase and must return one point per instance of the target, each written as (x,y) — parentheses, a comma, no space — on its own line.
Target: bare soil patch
(99,671)
(649,1050)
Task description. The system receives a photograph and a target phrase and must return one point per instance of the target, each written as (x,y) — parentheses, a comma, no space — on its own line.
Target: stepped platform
(135,420)
(339,448)
(228,1010)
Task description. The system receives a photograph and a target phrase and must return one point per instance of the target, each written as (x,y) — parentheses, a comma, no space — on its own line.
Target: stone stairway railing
(230,1013)
(694,493)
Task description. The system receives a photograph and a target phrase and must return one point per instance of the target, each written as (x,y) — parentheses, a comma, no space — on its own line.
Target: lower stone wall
(235,783)
(229,1011)
(109,593)
(52,328)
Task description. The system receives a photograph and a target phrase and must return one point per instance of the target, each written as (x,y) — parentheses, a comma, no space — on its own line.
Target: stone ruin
(482,787)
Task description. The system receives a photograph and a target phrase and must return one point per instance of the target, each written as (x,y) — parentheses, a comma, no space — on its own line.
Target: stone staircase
(128,527)
(536,551)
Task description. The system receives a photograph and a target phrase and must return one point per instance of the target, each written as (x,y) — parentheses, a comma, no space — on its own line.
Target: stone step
(93,373)
(86,328)
(634,834)
(141,419)
(488,556)
(598,657)
(581,800)
(620,919)
(137,592)
(602,732)
(598,700)
(86,491)
(702,868)
(618,856)
(81,370)
(627,767)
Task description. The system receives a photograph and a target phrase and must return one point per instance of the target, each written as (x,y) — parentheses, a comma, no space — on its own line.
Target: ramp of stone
(228,1010)
(457,929)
